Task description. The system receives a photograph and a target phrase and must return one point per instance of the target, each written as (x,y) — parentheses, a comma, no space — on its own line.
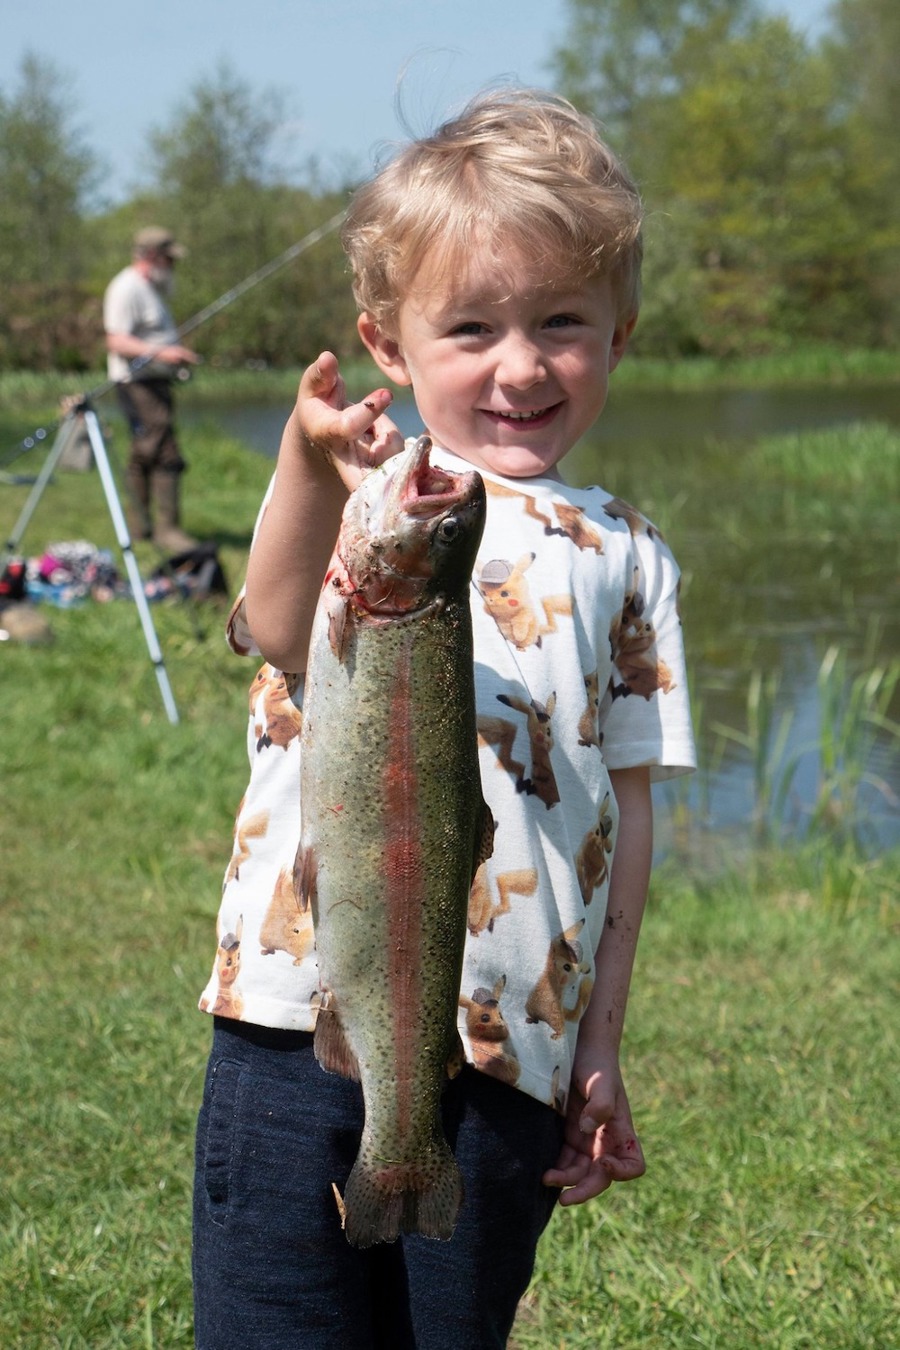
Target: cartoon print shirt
(579,667)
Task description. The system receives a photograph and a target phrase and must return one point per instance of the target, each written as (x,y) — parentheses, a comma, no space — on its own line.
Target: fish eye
(448,529)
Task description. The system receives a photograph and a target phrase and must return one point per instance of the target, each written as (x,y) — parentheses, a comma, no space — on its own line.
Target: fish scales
(394,826)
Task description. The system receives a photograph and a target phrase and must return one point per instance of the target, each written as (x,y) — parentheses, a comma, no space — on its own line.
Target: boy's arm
(601,1145)
(325,450)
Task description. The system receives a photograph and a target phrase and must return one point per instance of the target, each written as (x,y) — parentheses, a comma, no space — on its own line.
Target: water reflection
(768,586)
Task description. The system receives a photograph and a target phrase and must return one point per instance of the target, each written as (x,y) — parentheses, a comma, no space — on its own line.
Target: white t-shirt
(133,305)
(579,669)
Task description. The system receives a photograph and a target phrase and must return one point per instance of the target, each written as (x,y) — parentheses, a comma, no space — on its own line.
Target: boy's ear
(621,335)
(385,351)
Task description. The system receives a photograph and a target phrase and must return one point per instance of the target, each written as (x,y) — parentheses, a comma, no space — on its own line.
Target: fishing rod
(40,434)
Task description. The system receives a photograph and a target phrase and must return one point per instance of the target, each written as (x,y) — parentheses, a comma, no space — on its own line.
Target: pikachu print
(507,599)
(277,719)
(526,500)
(286,928)
(617,509)
(483,912)
(564,989)
(633,642)
(574,525)
(592,859)
(589,722)
(228,1001)
(488,1032)
(501,733)
(245,831)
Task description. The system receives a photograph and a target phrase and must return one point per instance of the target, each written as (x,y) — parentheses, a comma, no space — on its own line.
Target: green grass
(761,1059)
(761,1053)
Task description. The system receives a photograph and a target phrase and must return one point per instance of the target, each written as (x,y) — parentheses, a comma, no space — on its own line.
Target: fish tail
(383,1200)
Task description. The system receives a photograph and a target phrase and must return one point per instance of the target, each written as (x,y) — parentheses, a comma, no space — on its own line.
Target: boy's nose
(520,362)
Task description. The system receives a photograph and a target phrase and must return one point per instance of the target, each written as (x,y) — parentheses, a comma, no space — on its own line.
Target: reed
(765,740)
(853,723)
(853,714)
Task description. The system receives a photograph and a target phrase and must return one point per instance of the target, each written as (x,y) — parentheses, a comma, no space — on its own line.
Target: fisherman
(144,357)
(496,266)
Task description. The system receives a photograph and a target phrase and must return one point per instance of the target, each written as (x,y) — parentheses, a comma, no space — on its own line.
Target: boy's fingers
(578,1186)
(322,375)
(358,418)
(625,1169)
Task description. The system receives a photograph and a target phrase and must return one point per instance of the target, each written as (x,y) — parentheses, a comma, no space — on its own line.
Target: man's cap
(157,239)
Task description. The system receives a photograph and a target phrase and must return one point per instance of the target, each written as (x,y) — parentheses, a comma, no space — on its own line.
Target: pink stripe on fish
(404,874)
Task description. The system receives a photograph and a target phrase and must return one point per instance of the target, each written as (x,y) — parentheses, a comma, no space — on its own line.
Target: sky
(337,63)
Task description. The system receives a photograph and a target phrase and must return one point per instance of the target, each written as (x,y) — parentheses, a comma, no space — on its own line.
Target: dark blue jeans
(272,1267)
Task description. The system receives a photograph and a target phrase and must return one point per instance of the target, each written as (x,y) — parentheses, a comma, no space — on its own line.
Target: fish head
(410,534)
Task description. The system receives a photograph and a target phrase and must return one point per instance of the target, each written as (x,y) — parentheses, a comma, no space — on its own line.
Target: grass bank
(761,1049)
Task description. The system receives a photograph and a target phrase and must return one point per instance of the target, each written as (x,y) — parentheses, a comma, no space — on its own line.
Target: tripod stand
(123,537)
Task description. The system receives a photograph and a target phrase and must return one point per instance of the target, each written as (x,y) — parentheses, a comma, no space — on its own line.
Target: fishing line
(40,434)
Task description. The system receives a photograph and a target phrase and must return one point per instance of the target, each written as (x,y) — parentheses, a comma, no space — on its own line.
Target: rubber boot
(137,502)
(167,531)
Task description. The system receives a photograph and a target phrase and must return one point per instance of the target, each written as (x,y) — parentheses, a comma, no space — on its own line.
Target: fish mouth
(422,489)
(396,571)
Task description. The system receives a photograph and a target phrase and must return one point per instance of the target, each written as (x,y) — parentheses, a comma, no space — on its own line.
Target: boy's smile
(507,373)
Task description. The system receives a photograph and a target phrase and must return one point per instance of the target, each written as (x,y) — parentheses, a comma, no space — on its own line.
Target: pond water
(760,598)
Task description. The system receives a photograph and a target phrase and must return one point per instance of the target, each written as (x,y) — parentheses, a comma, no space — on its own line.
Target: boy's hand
(353,437)
(600,1143)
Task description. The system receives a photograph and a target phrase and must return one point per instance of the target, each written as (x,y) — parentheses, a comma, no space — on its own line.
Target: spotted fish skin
(394,826)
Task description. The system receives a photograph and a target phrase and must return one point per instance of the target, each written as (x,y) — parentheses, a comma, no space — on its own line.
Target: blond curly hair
(519,172)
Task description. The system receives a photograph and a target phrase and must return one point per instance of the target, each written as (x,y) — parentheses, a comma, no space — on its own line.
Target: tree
(763,172)
(217,180)
(47,174)
(740,137)
(621,57)
(862,53)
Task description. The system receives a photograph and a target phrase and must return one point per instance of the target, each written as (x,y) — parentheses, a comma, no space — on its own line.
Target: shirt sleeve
(645,717)
(237,629)
(119,310)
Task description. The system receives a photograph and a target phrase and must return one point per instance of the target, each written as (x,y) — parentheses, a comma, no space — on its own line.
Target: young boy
(496,266)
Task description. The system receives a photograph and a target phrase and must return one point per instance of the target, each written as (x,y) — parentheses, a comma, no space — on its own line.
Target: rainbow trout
(394,827)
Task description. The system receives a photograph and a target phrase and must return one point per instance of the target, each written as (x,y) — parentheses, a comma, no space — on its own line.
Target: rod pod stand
(123,537)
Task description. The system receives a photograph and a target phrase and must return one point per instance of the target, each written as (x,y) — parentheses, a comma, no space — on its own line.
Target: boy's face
(507,373)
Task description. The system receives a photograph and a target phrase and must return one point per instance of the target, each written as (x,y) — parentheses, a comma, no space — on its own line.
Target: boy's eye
(562,320)
(469,329)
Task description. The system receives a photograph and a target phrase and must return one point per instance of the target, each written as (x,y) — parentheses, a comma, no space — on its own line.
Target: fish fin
(456,1058)
(332,1049)
(339,1201)
(484,838)
(305,876)
(338,613)
(383,1200)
